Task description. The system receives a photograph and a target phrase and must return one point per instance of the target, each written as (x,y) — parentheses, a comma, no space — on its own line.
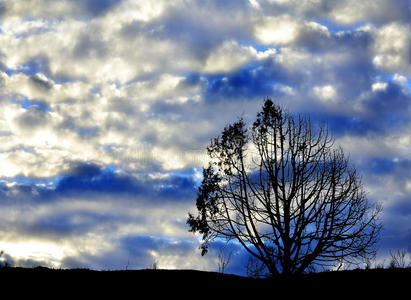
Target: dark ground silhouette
(191,283)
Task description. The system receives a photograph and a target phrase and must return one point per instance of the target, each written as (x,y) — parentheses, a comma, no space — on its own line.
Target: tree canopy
(283,191)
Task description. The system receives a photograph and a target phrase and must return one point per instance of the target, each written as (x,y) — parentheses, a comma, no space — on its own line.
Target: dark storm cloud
(40,82)
(393,176)
(90,46)
(33,117)
(41,64)
(3,9)
(123,105)
(251,81)
(345,124)
(62,226)
(90,178)
(401,209)
(396,234)
(17,193)
(384,166)
(139,246)
(390,103)
(346,62)
(71,124)
(356,72)
(98,7)
(258,78)
(93,180)
(382,111)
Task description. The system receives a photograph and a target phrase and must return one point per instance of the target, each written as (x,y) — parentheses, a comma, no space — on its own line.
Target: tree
(285,193)
(224,258)
(399,259)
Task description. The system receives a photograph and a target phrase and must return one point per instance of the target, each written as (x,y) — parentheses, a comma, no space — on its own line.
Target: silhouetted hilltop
(143,276)
(184,282)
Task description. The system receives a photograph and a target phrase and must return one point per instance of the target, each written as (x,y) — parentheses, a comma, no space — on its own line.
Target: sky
(106,108)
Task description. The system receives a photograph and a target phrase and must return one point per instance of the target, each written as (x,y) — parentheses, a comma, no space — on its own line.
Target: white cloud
(277,30)
(325,93)
(379,86)
(352,11)
(85,234)
(255,4)
(164,87)
(402,80)
(67,9)
(394,144)
(392,48)
(288,90)
(137,87)
(37,250)
(120,68)
(228,57)
(76,49)
(286,30)
(139,10)
(346,12)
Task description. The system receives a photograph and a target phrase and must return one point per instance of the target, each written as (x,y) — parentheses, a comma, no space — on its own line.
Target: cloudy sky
(106,108)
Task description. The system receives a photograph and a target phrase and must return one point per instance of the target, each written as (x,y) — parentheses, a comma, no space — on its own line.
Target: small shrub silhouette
(399,260)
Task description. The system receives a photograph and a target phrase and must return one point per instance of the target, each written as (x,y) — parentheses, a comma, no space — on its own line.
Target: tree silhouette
(285,193)
(224,258)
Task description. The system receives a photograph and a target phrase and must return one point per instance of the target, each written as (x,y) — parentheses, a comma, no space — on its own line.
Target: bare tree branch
(286,194)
